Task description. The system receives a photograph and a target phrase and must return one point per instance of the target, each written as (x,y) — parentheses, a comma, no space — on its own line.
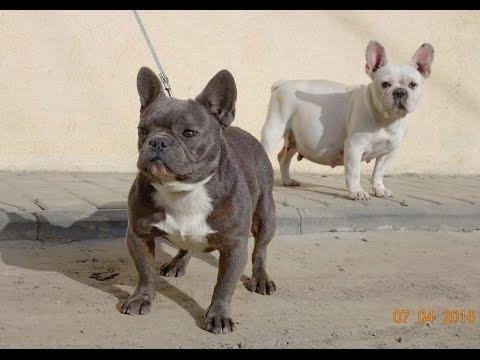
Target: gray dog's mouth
(159,168)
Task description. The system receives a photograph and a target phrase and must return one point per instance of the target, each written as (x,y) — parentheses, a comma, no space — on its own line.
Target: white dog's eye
(412,85)
(386,84)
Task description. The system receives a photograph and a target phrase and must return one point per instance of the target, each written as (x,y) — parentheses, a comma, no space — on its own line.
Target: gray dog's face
(179,140)
(397,88)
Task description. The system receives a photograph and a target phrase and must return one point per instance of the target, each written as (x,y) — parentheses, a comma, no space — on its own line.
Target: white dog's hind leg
(381,163)
(285,157)
(274,127)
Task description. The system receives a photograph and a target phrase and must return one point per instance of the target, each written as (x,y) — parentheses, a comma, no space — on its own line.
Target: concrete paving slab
(433,193)
(93,205)
(128,177)
(287,198)
(13,200)
(109,181)
(468,181)
(453,190)
(332,190)
(43,194)
(100,197)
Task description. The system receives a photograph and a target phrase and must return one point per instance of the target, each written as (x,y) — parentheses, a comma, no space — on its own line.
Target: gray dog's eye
(142,130)
(189,133)
(412,85)
(386,84)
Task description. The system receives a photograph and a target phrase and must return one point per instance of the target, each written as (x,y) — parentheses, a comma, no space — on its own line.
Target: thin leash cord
(162,74)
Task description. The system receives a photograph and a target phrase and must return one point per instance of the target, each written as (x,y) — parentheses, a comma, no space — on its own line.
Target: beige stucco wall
(68,99)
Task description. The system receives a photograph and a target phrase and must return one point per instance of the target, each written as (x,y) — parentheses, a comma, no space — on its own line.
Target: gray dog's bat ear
(422,59)
(219,97)
(376,57)
(148,87)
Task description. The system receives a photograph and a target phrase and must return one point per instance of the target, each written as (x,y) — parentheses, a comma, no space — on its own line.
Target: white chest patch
(187,207)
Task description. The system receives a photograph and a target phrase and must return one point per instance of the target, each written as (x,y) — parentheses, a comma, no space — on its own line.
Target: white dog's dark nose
(400,93)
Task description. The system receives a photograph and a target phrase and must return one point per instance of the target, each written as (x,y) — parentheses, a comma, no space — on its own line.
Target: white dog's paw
(382,192)
(291,182)
(359,195)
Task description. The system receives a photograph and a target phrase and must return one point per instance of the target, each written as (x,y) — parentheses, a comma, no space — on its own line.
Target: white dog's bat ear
(422,59)
(376,57)
(219,97)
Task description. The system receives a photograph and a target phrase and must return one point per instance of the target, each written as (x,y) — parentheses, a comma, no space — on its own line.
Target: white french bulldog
(334,124)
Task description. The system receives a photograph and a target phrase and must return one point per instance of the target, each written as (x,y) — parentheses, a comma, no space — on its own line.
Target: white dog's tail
(276,84)
(276,124)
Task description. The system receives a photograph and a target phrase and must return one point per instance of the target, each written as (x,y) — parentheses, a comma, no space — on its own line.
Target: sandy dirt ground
(335,290)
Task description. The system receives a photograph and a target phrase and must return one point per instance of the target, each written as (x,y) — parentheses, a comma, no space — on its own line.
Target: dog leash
(163,77)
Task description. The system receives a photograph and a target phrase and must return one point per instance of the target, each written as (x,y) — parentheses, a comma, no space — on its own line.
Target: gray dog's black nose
(158,143)
(400,93)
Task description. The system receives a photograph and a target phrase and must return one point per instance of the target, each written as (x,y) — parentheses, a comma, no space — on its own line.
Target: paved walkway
(75,206)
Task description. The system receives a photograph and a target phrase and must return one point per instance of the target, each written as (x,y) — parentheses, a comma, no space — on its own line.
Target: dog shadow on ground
(308,187)
(103,266)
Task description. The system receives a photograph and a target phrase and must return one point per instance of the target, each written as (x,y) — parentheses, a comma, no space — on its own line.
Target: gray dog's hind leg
(142,251)
(263,230)
(230,269)
(178,265)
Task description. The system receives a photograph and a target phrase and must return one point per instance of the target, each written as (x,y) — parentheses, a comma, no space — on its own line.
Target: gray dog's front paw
(261,284)
(136,305)
(219,324)
(175,268)
(359,195)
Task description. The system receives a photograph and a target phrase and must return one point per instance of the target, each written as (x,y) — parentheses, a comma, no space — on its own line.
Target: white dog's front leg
(381,163)
(352,158)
